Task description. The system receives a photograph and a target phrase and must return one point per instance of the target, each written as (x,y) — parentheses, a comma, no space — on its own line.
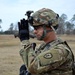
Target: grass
(8,40)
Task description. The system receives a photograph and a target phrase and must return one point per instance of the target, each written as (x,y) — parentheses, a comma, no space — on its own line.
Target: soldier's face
(38,31)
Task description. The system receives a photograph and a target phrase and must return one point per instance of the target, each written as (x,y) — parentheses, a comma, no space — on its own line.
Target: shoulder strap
(73,65)
(70,50)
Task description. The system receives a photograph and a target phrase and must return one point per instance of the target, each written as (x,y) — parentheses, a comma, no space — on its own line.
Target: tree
(73,23)
(10,30)
(11,27)
(69,27)
(16,27)
(0,27)
(0,23)
(73,18)
(0,20)
(62,20)
(64,17)
(73,31)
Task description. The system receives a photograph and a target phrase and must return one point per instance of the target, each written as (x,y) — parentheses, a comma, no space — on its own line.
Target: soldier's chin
(39,38)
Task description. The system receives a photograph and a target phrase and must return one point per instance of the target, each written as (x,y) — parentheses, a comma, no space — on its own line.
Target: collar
(50,44)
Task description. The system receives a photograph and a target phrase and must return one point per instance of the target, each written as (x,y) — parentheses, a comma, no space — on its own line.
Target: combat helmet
(46,17)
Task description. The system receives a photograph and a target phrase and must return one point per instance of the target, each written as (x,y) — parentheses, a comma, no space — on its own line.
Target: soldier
(54,56)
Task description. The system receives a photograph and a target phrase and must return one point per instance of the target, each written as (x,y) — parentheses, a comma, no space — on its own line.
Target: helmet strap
(45,32)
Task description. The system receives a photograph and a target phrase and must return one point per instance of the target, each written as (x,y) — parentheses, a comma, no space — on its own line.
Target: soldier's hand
(23,29)
(23,70)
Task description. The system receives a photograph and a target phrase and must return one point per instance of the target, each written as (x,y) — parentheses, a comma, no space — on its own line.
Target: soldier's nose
(35,31)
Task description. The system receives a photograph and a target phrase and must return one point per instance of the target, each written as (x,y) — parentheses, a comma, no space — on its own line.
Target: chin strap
(45,32)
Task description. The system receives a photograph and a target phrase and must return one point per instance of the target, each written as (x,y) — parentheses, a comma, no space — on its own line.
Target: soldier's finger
(19,26)
(26,26)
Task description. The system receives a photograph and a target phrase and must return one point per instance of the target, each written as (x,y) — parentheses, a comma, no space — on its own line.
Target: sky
(11,11)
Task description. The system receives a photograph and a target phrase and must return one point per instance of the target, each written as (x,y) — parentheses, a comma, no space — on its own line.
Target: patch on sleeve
(48,55)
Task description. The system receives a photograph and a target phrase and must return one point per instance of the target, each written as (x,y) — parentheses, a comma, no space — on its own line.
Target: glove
(23,29)
(23,70)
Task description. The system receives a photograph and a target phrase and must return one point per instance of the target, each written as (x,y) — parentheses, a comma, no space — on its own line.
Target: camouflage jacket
(54,58)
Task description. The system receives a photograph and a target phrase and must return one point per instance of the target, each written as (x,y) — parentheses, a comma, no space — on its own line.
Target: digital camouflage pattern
(45,16)
(54,58)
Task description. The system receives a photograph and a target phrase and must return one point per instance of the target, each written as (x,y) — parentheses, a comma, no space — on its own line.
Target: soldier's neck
(51,36)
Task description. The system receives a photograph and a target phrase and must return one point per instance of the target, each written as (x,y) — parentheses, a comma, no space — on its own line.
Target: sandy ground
(10,60)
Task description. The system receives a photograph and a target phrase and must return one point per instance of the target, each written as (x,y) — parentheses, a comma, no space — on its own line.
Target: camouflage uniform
(53,58)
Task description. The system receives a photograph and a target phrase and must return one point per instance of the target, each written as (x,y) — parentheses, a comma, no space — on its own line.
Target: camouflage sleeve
(26,52)
(48,60)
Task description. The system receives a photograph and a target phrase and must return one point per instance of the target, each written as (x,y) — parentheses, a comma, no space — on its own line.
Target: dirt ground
(10,60)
